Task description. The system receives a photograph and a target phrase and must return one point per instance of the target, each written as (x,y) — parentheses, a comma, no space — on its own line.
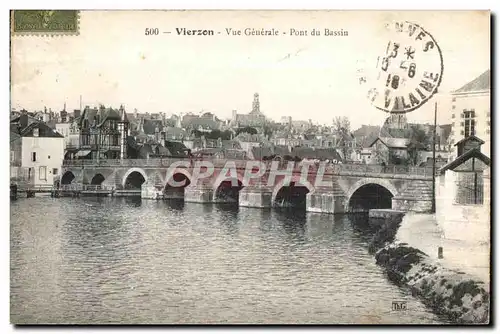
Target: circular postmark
(408,70)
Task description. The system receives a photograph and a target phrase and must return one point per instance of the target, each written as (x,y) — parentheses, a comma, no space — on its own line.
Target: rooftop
(481,83)
(472,153)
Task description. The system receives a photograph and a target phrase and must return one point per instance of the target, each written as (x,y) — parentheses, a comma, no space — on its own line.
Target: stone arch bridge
(328,188)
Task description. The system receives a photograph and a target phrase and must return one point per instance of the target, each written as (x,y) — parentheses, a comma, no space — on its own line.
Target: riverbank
(459,296)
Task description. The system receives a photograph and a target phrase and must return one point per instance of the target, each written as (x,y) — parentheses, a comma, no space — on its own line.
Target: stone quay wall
(454,295)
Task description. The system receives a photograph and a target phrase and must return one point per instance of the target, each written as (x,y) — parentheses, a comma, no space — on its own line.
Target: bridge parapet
(328,168)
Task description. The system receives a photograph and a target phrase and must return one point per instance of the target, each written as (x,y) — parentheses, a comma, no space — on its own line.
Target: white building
(42,154)
(70,133)
(366,155)
(471,112)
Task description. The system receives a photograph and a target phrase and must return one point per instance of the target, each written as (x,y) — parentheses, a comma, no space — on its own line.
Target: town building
(366,155)
(389,151)
(71,133)
(103,133)
(36,152)
(470,114)
(254,118)
(248,141)
(205,122)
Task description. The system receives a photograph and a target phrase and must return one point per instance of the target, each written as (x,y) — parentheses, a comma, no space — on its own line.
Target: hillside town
(41,140)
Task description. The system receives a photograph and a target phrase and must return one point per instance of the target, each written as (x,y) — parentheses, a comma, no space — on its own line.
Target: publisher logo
(398,306)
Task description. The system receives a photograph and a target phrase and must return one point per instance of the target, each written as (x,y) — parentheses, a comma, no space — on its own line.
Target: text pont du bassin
(264,32)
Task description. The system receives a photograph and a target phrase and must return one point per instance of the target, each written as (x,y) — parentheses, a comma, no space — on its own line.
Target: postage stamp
(408,71)
(47,22)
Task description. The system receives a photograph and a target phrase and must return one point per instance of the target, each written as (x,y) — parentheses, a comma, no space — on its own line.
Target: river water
(123,260)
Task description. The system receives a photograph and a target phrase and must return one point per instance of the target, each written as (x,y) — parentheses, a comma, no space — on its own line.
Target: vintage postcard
(250,167)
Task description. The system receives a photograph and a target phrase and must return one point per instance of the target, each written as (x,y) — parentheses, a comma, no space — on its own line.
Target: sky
(113,62)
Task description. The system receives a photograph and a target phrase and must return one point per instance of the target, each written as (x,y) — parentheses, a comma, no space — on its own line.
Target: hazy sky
(112,62)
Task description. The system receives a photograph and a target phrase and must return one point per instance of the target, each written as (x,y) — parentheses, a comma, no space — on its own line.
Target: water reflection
(293,223)
(132,261)
(175,204)
(132,201)
(228,214)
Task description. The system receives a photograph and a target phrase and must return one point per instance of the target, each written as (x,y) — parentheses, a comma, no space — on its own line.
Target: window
(33,156)
(453,99)
(470,122)
(35,132)
(453,106)
(42,173)
(452,115)
(488,114)
(54,171)
(48,157)
(469,188)
(12,156)
(487,131)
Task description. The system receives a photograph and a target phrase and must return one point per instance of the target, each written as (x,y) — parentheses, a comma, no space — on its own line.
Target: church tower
(256,104)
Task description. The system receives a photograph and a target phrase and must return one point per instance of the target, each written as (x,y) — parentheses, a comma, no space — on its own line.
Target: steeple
(256,104)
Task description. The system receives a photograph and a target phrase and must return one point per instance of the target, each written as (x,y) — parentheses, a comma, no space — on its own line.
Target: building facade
(103,134)
(389,150)
(470,113)
(37,154)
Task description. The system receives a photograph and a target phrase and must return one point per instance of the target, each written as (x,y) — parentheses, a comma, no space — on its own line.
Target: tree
(379,154)
(214,134)
(268,131)
(420,140)
(247,129)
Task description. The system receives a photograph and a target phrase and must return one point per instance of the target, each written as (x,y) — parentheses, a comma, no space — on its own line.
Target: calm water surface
(122,260)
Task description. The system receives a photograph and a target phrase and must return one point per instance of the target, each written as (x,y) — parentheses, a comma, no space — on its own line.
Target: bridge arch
(370,193)
(134,178)
(98,179)
(291,195)
(171,190)
(67,177)
(226,190)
